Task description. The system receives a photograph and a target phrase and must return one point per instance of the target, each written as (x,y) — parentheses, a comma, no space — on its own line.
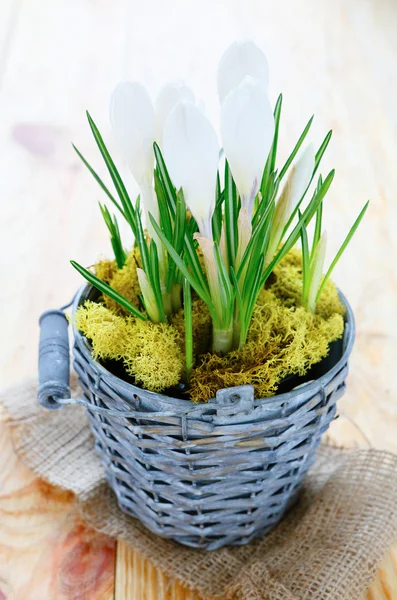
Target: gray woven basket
(206,475)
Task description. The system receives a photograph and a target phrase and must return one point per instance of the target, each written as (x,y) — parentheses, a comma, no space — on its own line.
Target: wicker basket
(206,475)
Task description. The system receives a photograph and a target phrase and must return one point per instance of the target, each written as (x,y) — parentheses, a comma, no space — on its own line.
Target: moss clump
(124,281)
(153,355)
(286,283)
(105,270)
(151,352)
(283,339)
(108,333)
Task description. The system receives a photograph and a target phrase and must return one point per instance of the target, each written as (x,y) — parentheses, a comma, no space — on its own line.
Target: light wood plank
(138,579)
(8,20)
(46,551)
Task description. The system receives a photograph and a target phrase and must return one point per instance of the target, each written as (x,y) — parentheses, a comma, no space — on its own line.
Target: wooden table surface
(58,57)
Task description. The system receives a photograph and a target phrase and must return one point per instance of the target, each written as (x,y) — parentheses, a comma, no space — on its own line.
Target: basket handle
(54,360)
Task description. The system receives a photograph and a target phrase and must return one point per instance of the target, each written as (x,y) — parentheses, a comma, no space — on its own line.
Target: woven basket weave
(206,475)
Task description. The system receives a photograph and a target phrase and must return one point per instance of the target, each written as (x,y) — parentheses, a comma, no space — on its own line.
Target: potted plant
(211,354)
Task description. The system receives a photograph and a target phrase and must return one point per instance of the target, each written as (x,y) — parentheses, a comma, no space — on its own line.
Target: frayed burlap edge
(328,547)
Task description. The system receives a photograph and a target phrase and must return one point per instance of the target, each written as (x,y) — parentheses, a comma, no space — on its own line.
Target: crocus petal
(300,175)
(247,127)
(167,98)
(191,152)
(239,60)
(297,182)
(223,246)
(208,249)
(316,271)
(244,227)
(150,206)
(148,296)
(133,122)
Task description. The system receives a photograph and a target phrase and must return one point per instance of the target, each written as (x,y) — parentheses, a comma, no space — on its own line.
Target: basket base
(235,538)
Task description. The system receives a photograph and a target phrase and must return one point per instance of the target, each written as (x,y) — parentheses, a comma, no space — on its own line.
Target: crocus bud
(222,335)
(207,247)
(133,123)
(167,98)
(239,60)
(247,127)
(300,175)
(244,234)
(148,296)
(191,152)
(316,271)
(297,182)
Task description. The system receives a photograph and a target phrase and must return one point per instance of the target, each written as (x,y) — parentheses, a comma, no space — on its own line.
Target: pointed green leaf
(231,215)
(318,226)
(202,292)
(114,174)
(296,149)
(320,152)
(342,248)
(99,181)
(305,262)
(267,177)
(155,279)
(165,178)
(165,218)
(107,290)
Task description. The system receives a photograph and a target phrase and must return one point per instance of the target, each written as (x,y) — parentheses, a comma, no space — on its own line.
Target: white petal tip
(241,59)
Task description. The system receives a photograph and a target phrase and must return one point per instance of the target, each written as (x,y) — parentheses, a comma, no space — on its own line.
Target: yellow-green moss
(108,333)
(137,255)
(105,270)
(153,356)
(281,341)
(283,338)
(125,281)
(286,283)
(151,352)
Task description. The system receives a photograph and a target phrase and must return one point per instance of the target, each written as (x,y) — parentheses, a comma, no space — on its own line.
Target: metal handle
(54,360)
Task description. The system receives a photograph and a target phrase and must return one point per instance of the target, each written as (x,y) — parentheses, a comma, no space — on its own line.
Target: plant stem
(236,329)
(176,297)
(222,340)
(167,302)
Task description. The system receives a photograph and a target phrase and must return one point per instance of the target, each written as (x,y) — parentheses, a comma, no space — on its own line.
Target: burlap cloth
(328,547)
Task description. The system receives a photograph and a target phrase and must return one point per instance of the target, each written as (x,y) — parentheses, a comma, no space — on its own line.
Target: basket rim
(311,386)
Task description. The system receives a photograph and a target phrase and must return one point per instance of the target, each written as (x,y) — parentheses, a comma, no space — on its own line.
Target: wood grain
(59,57)
(137,579)
(46,551)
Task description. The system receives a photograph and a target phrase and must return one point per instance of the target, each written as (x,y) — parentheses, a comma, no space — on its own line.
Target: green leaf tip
(107,290)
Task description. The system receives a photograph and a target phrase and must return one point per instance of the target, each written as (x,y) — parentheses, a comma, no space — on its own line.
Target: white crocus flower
(247,127)
(134,126)
(239,60)
(316,271)
(191,152)
(168,96)
(297,182)
(148,295)
(133,122)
